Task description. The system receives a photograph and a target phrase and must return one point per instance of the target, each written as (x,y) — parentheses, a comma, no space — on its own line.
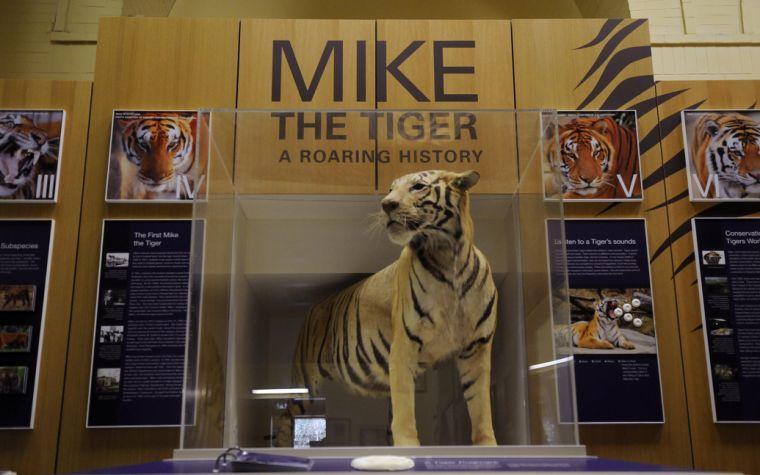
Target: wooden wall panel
(141,63)
(606,64)
(483,45)
(74,97)
(257,166)
(729,447)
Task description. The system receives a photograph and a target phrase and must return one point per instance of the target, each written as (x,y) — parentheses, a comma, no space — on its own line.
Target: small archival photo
(17,297)
(13,379)
(117,259)
(111,334)
(714,258)
(108,380)
(115,297)
(609,321)
(30,152)
(593,156)
(15,338)
(722,155)
(153,157)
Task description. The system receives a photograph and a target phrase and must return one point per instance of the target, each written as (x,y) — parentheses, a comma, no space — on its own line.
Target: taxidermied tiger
(728,146)
(437,301)
(602,332)
(22,145)
(160,156)
(593,151)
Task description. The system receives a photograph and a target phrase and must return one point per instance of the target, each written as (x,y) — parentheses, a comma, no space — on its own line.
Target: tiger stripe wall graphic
(603,65)
(714,446)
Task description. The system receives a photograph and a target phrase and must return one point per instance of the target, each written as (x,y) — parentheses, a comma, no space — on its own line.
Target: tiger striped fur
(437,301)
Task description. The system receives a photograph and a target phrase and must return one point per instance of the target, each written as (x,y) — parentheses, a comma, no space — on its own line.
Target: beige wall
(56,39)
(30,49)
(702,39)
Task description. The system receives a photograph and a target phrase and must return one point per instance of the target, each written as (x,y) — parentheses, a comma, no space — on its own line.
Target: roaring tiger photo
(153,156)
(437,301)
(28,150)
(603,331)
(595,157)
(724,154)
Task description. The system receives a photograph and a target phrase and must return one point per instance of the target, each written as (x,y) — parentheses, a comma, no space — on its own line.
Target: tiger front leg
(401,374)
(474,368)
(625,344)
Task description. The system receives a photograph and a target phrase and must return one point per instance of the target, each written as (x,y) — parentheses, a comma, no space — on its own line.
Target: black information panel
(612,329)
(24,259)
(728,256)
(139,341)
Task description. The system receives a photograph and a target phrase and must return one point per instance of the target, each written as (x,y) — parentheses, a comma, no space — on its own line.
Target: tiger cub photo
(596,156)
(723,150)
(153,156)
(29,144)
(603,331)
(436,302)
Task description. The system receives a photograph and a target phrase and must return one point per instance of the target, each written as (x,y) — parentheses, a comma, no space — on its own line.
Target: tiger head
(160,146)
(606,309)
(21,147)
(731,148)
(431,204)
(587,159)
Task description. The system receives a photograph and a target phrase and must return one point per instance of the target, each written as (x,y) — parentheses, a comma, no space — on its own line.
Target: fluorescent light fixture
(277,393)
(550,363)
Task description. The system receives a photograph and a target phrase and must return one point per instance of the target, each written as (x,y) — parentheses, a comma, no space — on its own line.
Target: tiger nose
(389,205)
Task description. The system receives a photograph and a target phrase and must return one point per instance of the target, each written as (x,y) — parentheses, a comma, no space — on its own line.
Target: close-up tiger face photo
(152,156)
(595,157)
(724,154)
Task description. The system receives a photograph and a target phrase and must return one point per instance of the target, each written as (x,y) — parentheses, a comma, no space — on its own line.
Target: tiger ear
(124,123)
(465,181)
(712,128)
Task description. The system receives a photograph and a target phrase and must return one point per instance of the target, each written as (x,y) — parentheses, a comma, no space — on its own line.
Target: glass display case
(292,207)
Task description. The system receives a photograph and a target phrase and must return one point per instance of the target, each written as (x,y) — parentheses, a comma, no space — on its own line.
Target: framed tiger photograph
(722,150)
(154,156)
(592,156)
(30,154)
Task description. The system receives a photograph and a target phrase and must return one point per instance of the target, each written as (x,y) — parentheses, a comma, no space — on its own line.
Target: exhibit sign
(30,154)
(25,247)
(593,156)
(137,371)
(611,333)
(154,156)
(722,154)
(728,269)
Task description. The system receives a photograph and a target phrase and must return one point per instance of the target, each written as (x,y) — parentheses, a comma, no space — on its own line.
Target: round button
(627,307)
(636,302)
(618,312)
(628,317)
(637,322)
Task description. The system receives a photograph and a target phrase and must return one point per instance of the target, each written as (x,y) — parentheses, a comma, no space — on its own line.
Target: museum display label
(25,247)
(612,327)
(141,318)
(728,268)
